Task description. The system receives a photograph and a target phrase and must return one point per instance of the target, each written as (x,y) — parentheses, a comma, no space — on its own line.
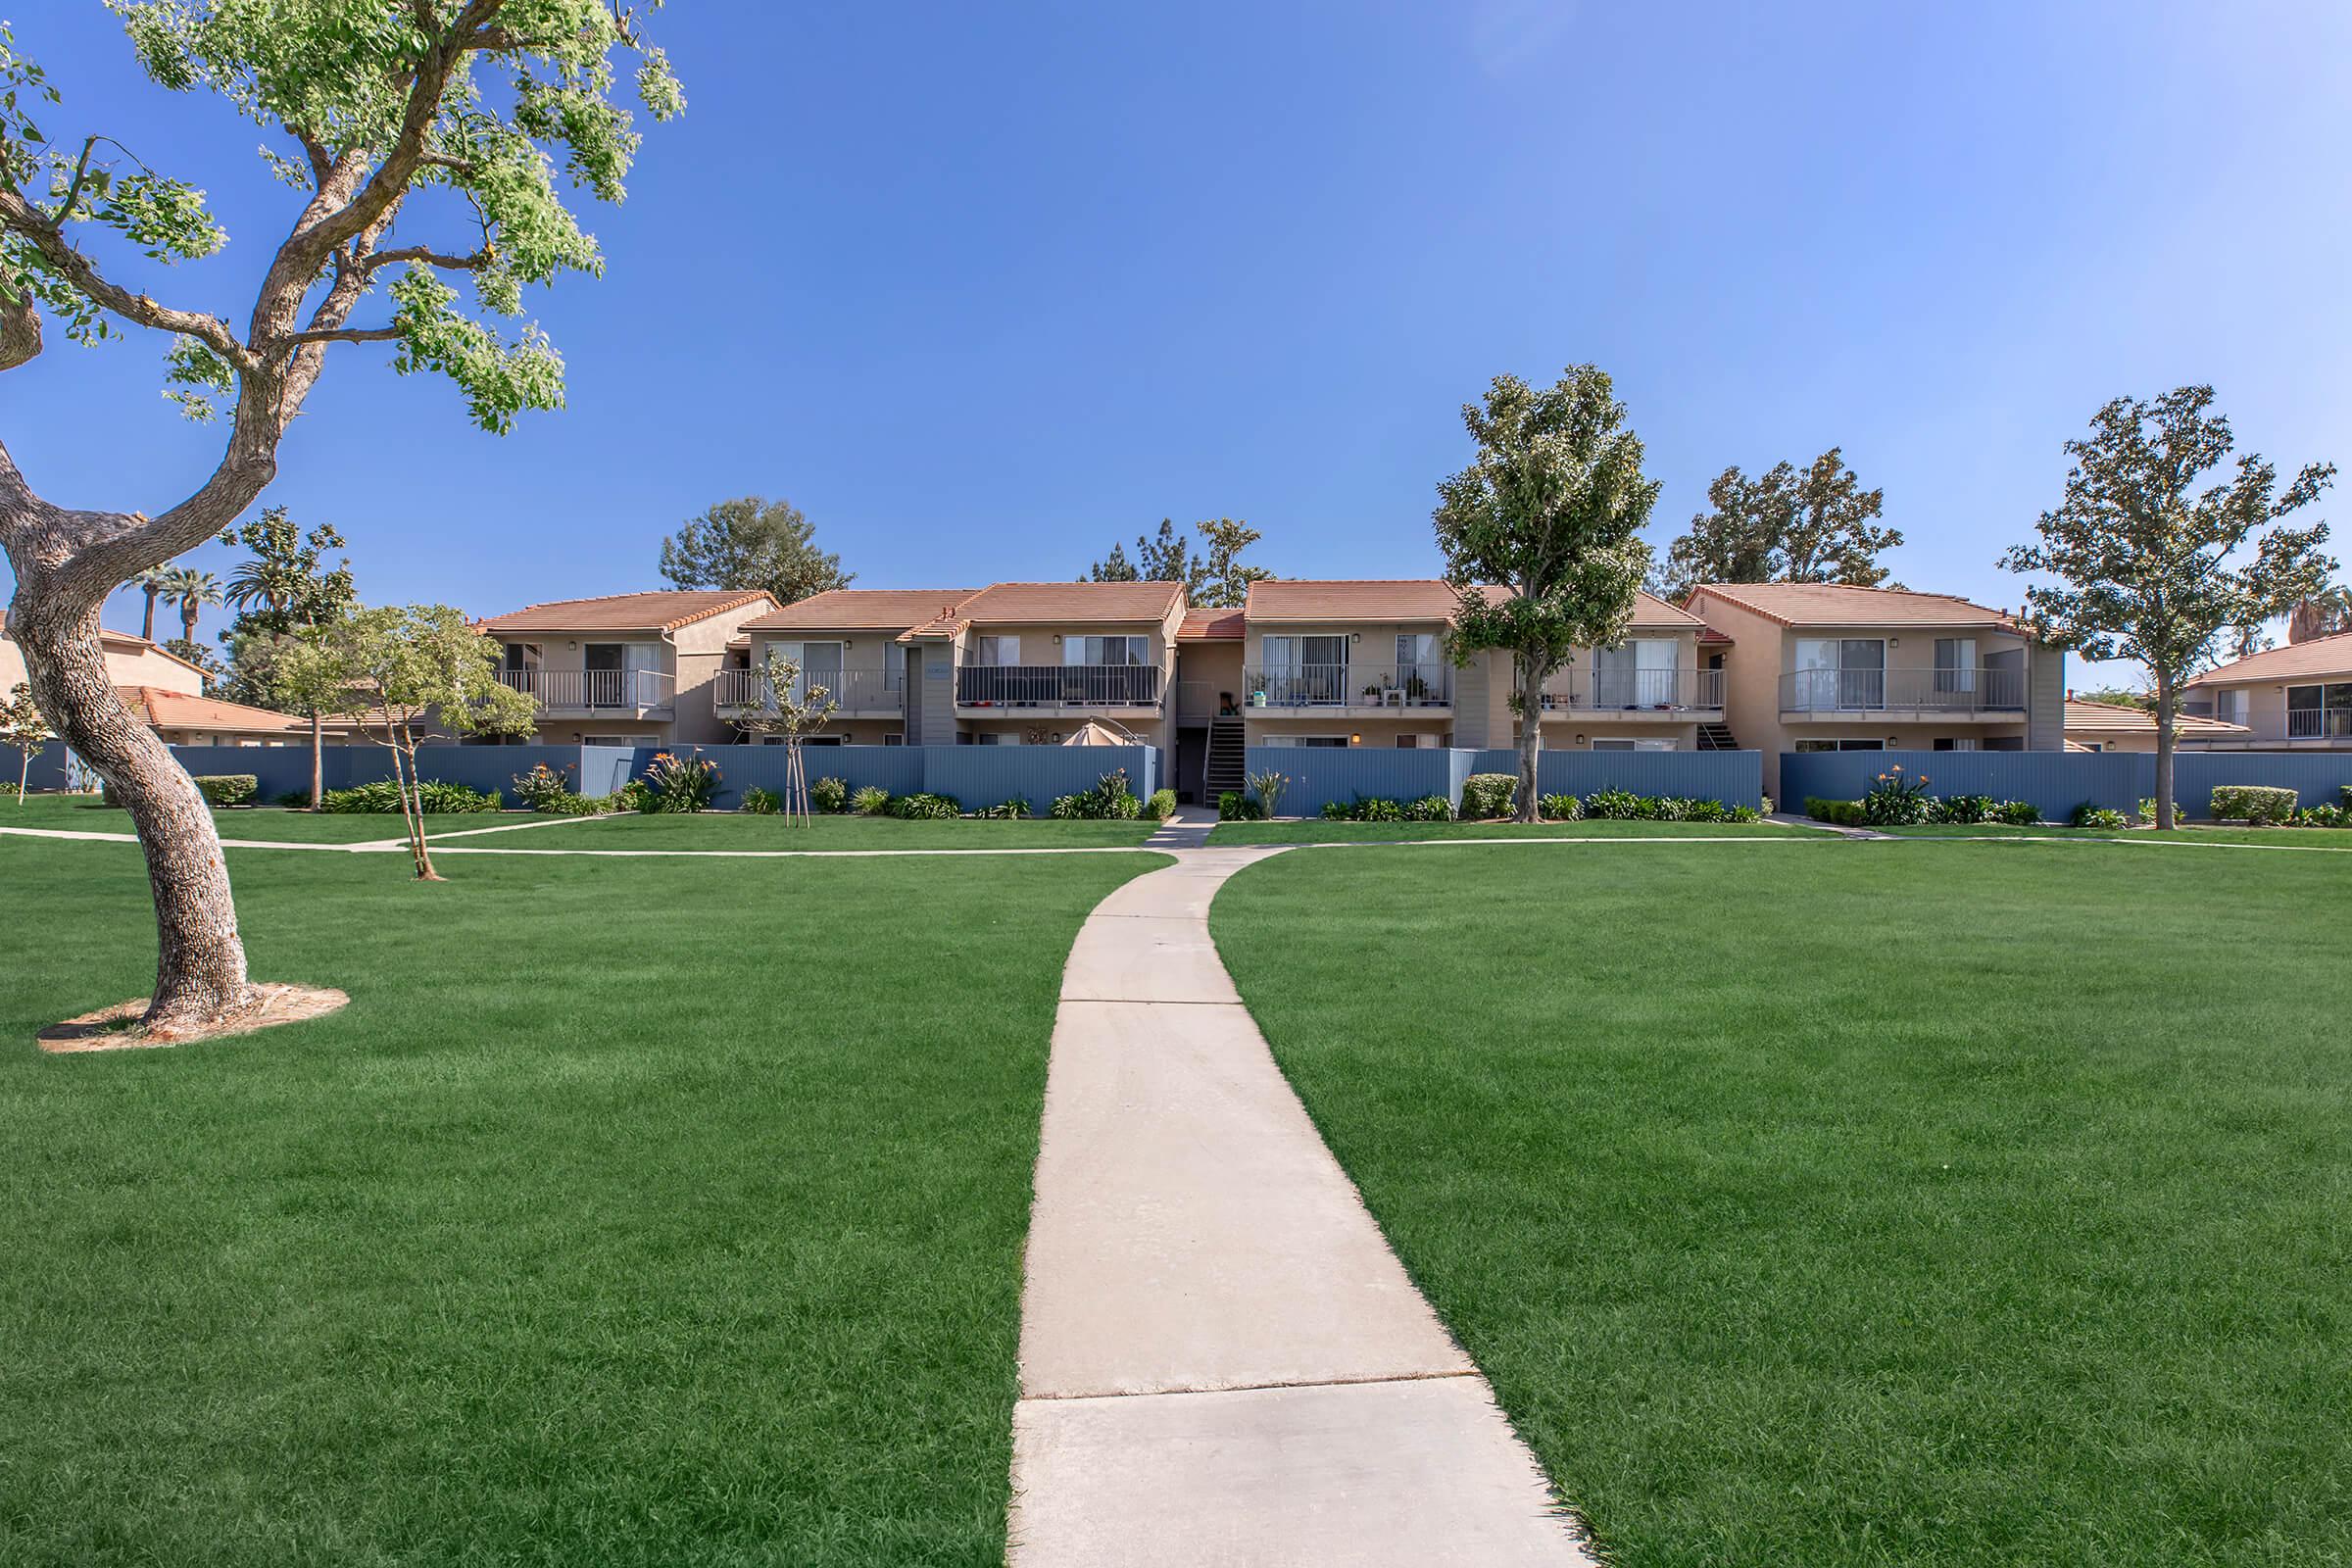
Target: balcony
(1635,693)
(855,693)
(2318,723)
(641,693)
(1059,688)
(1948,694)
(1347,688)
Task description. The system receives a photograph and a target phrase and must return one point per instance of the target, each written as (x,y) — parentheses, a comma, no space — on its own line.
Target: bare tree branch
(345,334)
(430,257)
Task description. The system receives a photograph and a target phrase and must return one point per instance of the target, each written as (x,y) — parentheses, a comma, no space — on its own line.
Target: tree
(151,583)
(195,652)
(788,707)
(1788,527)
(473,104)
(399,672)
(2148,567)
(1549,516)
(1214,578)
(1224,581)
(750,541)
(22,727)
(2116,697)
(284,588)
(191,590)
(2323,614)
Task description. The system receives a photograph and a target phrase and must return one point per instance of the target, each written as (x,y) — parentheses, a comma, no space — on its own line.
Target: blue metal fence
(2056,782)
(1321,773)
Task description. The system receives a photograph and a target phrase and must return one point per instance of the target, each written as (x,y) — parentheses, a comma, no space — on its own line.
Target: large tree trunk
(2164,753)
(200,965)
(1530,735)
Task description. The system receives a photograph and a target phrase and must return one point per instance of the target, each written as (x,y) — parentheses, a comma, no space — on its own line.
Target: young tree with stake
(1541,536)
(786,708)
(400,672)
(479,102)
(22,727)
(2149,568)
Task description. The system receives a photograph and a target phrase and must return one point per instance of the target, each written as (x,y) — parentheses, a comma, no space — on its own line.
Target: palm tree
(191,590)
(152,582)
(2323,613)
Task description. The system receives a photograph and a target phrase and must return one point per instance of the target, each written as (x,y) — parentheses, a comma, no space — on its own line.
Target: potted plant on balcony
(1372,694)
(1416,690)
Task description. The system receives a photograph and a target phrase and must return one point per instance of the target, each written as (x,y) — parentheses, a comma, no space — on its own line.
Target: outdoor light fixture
(1355,740)
(1580,739)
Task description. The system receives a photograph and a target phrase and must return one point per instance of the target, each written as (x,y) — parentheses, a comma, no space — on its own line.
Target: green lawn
(1317,831)
(2311,837)
(82,814)
(1852,1207)
(735,830)
(635,1212)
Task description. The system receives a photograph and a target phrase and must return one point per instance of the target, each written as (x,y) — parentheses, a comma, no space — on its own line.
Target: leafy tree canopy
(752,542)
(1215,577)
(1787,527)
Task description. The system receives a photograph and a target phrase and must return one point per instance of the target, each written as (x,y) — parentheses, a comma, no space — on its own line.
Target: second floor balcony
(1949,693)
(1635,692)
(1059,686)
(1348,686)
(644,693)
(854,692)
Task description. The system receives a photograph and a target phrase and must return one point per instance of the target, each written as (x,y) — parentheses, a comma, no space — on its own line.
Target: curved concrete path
(1221,1360)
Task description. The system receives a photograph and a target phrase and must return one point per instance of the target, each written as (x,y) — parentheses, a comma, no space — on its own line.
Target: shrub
(229,789)
(1842,814)
(1614,804)
(1961,808)
(1703,808)
(1109,799)
(2344,798)
(382,798)
(1161,806)
(1235,806)
(633,796)
(1487,795)
(2100,816)
(2017,814)
(1560,808)
(761,802)
(1744,814)
(1429,809)
(924,807)
(2325,816)
(543,789)
(2254,804)
(1011,809)
(1335,811)
(294,798)
(1896,799)
(830,795)
(1268,787)
(2146,810)
(682,783)
(871,801)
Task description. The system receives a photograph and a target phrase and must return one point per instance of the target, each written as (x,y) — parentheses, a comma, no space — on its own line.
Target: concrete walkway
(1221,1360)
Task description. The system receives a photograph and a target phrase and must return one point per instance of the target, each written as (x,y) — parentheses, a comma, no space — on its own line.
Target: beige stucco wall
(1037,646)
(2266,709)
(127,664)
(1217,666)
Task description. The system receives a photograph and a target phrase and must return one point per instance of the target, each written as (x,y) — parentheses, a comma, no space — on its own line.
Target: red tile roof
(863,608)
(661,610)
(2114,719)
(1304,599)
(1825,604)
(1211,624)
(2330,657)
(164,709)
(1035,603)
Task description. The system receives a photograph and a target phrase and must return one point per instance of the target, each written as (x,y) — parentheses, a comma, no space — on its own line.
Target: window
(1638,674)
(1107,650)
(894,738)
(2314,712)
(608,740)
(893,666)
(1955,665)
(2230,707)
(1306,740)
(1303,671)
(996,737)
(1840,746)
(998,650)
(1839,672)
(1415,650)
(1955,743)
(1622,744)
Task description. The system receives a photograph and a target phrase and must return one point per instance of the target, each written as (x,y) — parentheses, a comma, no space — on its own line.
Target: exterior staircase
(1225,767)
(1716,738)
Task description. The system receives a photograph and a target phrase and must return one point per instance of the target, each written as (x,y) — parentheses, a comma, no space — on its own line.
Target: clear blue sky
(984,288)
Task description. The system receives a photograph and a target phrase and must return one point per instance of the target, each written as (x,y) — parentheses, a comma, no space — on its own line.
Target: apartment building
(2295,698)
(1823,667)
(1031,663)
(167,693)
(625,669)
(851,642)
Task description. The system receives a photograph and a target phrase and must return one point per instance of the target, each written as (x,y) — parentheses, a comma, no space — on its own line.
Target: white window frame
(1090,649)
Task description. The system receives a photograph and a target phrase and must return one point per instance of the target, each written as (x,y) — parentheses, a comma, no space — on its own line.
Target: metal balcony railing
(1927,691)
(854,691)
(1350,686)
(2318,723)
(591,690)
(1617,691)
(1060,685)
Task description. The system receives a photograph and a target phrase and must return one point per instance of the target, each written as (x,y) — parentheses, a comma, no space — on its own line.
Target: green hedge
(1487,795)
(2253,802)
(381,798)
(1236,807)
